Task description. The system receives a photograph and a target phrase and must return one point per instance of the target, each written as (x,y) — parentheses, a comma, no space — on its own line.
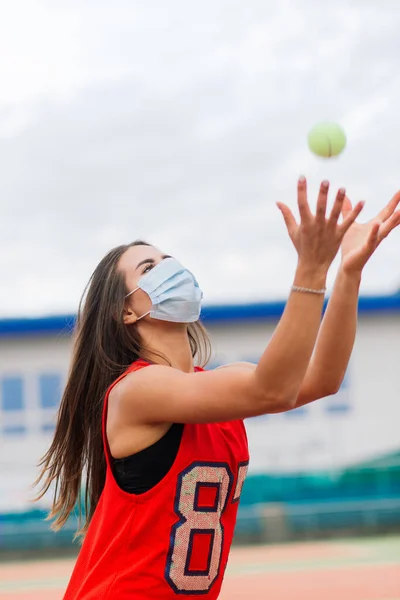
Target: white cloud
(184,123)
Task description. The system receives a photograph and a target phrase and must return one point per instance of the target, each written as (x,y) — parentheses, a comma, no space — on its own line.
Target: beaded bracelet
(296,288)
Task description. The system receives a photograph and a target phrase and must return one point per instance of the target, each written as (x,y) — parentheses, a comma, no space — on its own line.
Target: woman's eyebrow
(150,260)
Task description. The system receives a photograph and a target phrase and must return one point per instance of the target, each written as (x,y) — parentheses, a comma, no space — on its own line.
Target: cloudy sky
(183,122)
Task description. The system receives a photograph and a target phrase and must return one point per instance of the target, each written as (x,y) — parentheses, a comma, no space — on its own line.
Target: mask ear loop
(145,315)
(130,294)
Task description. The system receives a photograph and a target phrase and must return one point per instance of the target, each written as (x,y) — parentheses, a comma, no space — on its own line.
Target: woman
(162,442)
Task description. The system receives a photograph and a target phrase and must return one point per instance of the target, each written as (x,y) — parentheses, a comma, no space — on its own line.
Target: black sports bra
(140,472)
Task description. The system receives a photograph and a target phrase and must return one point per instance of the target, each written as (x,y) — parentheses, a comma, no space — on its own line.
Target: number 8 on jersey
(197,539)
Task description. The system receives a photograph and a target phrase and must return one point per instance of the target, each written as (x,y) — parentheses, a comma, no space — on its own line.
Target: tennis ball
(327,140)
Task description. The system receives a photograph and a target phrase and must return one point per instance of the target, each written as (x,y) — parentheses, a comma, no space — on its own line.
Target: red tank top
(173,540)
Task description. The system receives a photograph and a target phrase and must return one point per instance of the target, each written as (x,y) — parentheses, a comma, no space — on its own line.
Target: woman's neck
(170,340)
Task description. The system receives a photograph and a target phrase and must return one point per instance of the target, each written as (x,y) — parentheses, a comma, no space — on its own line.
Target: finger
(322,202)
(346,207)
(389,225)
(337,207)
(372,240)
(389,208)
(288,217)
(351,217)
(304,209)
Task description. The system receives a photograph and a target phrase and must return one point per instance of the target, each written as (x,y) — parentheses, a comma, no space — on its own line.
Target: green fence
(358,500)
(367,481)
(364,499)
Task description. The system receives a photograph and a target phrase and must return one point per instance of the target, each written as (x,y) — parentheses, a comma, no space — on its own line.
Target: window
(49,390)
(12,405)
(301,411)
(48,427)
(12,394)
(14,429)
(49,399)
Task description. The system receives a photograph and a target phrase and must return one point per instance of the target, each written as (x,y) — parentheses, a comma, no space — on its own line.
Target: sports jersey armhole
(140,364)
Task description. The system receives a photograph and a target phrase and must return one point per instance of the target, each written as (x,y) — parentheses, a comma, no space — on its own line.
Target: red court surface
(339,570)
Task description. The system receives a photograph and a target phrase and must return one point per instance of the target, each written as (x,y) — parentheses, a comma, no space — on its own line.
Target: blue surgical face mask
(174,292)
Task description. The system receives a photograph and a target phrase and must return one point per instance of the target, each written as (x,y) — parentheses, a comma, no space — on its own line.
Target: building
(356,426)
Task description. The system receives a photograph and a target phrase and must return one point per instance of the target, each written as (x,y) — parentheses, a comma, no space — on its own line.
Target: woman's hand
(362,239)
(316,238)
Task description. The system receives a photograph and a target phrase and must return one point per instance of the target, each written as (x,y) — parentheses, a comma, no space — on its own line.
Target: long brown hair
(104,347)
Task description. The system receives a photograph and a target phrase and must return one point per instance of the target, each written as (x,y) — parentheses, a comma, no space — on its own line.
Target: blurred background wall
(331,467)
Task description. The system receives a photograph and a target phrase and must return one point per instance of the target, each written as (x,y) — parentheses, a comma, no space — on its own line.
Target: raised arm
(158,393)
(338,329)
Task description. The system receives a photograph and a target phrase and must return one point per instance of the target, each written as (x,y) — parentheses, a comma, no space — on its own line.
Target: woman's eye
(148,268)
